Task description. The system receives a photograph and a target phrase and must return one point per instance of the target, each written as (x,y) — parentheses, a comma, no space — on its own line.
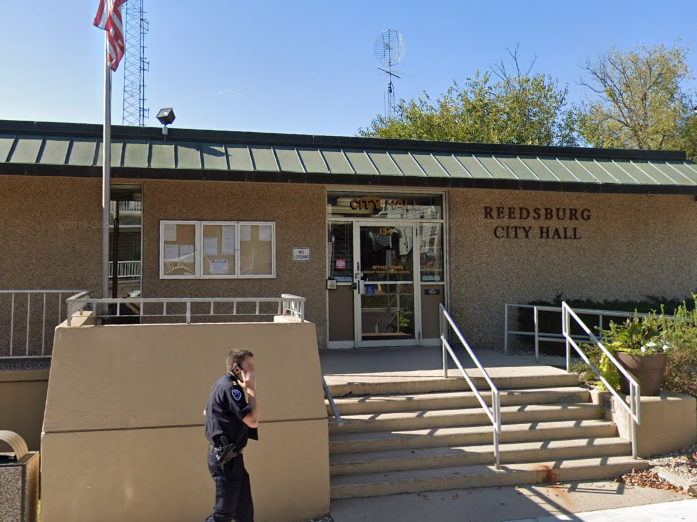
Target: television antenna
(389,49)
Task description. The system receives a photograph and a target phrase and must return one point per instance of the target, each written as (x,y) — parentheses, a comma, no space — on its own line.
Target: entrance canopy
(75,150)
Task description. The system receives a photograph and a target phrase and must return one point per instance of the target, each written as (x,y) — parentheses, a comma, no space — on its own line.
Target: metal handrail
(295,305)
(328,395)
(555,337)
(125,269)
(39,309)
(494,413)
(287,304)
(634,407)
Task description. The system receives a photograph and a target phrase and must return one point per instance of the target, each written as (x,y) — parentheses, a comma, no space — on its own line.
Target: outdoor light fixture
(165,116)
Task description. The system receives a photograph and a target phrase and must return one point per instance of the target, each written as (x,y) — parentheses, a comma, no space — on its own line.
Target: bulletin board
(257,249)
(178,247)
(219,249)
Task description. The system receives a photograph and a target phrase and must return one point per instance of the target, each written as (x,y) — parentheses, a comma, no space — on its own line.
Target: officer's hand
(247,381)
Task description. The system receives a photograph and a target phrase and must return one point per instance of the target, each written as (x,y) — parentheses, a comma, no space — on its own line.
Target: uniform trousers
(233,494)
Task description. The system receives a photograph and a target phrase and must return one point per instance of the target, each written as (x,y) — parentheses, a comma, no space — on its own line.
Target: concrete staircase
(404,435)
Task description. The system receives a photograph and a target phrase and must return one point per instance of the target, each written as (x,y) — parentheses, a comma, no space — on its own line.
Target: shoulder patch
(236,394)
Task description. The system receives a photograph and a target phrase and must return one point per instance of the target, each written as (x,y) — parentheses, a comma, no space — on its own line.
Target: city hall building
(374,233)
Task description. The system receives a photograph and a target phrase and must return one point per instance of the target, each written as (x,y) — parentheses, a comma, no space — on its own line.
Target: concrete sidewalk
(665,512)
(521,503)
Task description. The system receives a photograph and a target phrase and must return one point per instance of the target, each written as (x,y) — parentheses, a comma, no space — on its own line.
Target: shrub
(681,370)
(679,333)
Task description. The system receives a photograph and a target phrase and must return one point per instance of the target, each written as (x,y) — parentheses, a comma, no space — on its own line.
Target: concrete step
(479,475)
(441,457)
(352,405)
(413,420)
(504,379)
(468,435)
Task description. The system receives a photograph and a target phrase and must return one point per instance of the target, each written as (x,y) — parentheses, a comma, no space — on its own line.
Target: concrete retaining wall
(22,401)
(124,436)
(668,423)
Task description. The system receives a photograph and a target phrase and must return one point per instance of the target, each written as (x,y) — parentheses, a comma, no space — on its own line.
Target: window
(340,252)
(431,252)
(217,249)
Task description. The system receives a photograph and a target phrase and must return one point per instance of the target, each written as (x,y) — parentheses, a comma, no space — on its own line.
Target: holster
(225,452)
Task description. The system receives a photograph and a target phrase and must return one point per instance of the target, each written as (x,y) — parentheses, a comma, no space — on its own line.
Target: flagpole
(106,170)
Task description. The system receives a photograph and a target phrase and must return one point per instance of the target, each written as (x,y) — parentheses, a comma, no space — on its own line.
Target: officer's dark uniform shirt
(227,406)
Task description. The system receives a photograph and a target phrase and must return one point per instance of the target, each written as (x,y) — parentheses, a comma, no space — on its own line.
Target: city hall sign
(548,223)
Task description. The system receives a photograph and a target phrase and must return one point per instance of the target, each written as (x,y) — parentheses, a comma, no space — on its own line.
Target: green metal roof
(268,157)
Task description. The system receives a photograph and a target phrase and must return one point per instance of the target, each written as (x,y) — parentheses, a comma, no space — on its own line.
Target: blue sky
(305,66)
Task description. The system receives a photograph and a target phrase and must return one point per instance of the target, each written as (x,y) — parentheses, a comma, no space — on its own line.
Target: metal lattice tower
(135,65)
(389,49)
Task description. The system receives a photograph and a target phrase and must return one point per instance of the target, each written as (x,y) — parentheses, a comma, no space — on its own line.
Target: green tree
(640,100)
(516,107)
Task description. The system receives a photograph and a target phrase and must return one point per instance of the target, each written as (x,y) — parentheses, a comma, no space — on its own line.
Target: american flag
(109,18)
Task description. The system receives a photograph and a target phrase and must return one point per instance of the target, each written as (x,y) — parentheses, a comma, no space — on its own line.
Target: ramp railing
(448,326)
(188,309)
(634,406)
(28,318)
(601,317)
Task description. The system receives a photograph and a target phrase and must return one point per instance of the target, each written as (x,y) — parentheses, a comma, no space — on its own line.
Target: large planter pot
(648,370)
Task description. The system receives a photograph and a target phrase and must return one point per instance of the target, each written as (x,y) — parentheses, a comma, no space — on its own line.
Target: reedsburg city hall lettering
(568,231)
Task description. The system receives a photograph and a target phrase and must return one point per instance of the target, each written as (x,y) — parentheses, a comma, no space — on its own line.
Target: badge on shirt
(236,394)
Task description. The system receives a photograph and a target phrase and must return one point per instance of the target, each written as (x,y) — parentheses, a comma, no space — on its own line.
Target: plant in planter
(640,347)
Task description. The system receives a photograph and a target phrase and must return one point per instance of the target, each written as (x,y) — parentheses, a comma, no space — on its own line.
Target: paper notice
(219,266)
(186,252)
(265,233)
(210,246)
(170,232)
(229,245)
(245,233)
(171,252)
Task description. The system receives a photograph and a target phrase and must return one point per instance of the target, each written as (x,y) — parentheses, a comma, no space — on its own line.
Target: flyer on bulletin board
(219,266)
(187,253)
(210,246)
(170,232)
(229,244)
(171,252)
(265,233)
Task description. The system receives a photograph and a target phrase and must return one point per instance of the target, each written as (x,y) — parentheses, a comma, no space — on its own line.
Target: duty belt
(224,455)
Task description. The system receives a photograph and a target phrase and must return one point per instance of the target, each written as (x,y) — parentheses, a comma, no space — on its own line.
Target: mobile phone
(237,371)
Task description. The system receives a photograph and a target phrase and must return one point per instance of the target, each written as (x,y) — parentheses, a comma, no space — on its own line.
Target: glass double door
(386,307)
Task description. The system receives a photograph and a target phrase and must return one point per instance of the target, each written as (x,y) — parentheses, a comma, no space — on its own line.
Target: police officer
(232,417)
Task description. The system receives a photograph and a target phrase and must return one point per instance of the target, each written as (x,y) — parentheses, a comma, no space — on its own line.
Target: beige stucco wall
(22,401)
(632,246)
(299,212)
(124,436)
